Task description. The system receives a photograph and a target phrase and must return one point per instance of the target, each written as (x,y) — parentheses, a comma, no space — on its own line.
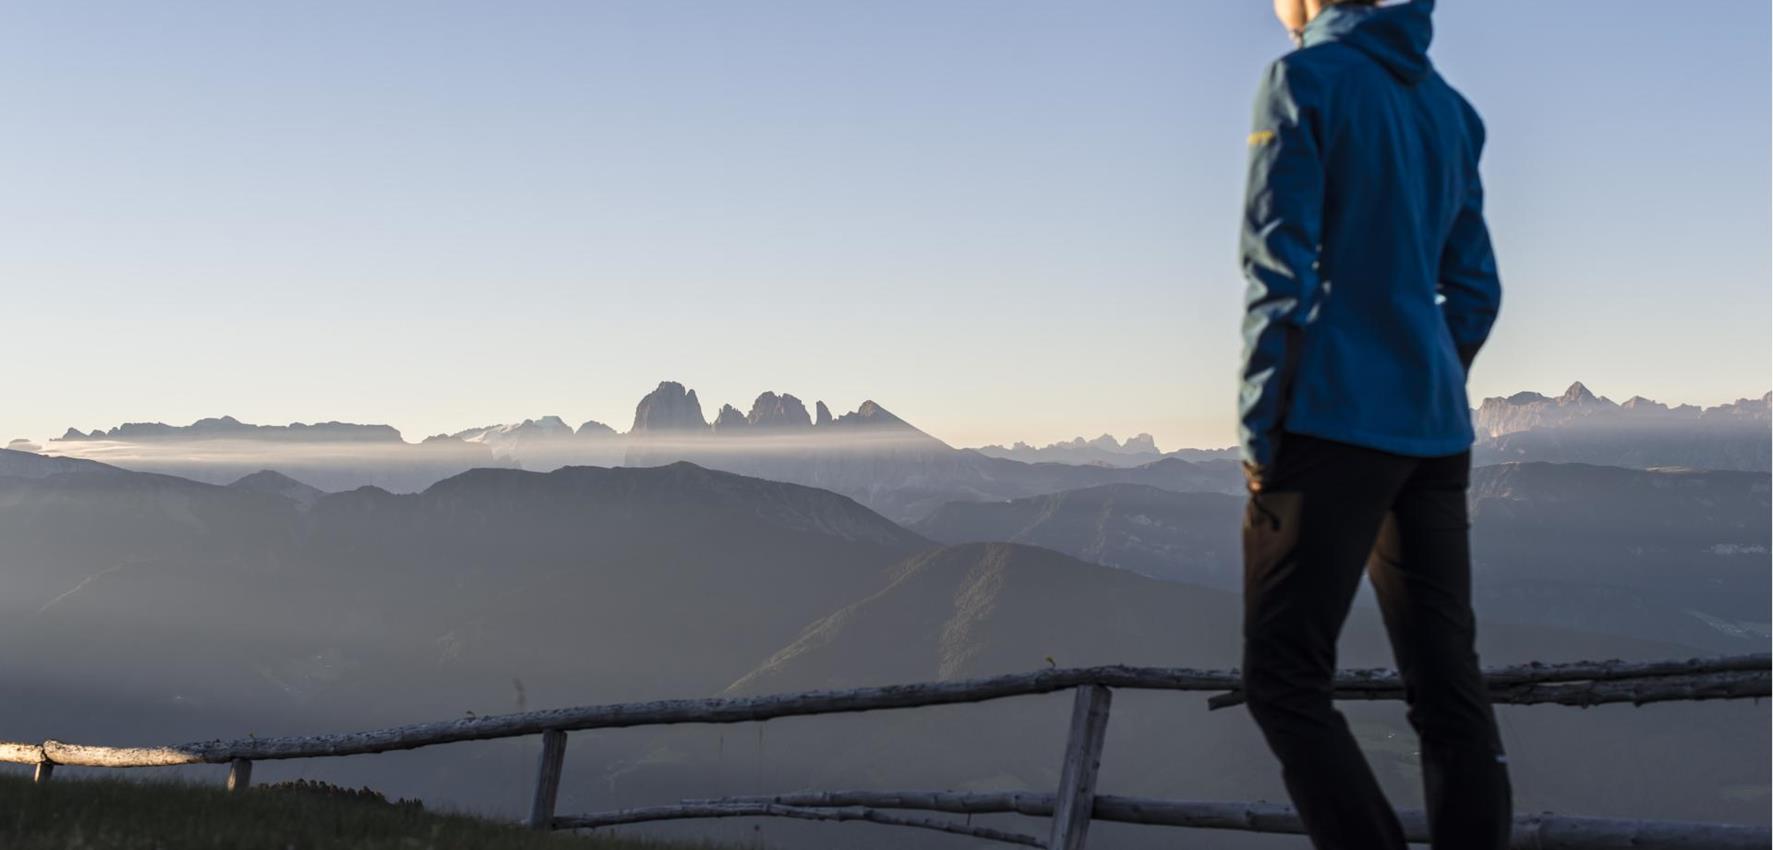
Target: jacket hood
(1395,36)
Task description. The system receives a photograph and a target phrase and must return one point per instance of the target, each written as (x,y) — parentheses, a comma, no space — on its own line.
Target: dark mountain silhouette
(778,411)
(989,608)
(147,608)
(1668,553)
(669,408)
(1673,555)
(278,484)
(982,608)
(23,464)
(662,580)
(1160,533)
(137,607)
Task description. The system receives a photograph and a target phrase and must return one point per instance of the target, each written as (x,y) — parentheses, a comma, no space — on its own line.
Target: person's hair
(1351,2)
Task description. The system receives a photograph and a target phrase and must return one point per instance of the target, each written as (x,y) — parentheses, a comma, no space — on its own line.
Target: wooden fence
(1070,809)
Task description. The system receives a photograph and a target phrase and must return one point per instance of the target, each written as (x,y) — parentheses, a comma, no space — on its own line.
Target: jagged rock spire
(669,408)
(779,411)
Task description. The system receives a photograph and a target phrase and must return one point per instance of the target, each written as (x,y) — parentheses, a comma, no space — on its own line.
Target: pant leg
(1421,570)
(1307,536)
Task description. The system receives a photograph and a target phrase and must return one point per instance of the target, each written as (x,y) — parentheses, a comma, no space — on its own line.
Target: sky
(1001,219)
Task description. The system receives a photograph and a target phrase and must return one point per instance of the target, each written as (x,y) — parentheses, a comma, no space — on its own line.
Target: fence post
(541,811)
(1077,779)
(45,769)
(239,775)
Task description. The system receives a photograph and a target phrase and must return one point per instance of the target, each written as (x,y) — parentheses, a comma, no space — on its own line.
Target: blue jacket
(1371,283)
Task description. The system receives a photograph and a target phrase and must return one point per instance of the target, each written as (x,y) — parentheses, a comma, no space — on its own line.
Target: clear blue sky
(1002,219)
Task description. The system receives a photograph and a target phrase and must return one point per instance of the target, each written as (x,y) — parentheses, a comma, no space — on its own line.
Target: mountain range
(1580,427)
(877,458)
(868,454)
(138,607)
(1675,555)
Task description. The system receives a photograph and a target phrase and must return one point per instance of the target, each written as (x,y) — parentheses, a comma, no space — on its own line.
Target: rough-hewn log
(1077,775)
(1729,684)
(1741,676)
(541,809)
(1031,803)
(1580,684)
(655,713)
(1692,688)
(1531,832)
(1550,832)
(1539,671)
(15,753)
(94,756)
(752,810)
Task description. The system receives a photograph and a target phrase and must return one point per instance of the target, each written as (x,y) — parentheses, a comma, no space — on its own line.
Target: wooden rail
(1535,831)
(1074,805)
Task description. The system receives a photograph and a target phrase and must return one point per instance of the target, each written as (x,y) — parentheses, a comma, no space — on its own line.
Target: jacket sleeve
(1278,249)
(1468,279)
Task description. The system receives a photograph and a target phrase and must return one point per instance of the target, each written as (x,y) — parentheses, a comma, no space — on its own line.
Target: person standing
(1371,286)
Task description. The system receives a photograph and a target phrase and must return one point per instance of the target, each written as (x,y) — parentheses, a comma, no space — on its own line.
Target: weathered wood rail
(1075,803)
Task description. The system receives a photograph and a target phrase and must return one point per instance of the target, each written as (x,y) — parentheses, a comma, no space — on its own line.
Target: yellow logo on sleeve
(1261,136)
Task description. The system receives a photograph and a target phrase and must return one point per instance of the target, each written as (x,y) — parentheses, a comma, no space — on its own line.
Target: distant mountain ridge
(673,409)
(1581,427)
(882,460)
(21,464)
(1104,450)
(1525,411)
(868,454)
(229,428)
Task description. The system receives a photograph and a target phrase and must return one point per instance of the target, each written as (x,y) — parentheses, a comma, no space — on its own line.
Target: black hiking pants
(1326,512)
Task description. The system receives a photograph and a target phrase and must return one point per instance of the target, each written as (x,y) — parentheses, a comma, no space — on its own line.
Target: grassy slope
(113,814)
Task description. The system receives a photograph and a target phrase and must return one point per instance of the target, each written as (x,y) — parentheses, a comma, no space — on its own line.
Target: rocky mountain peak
(274,483)
(730,419)
(779,411)
(669,408)
(553,424)
(594,428)
(872,415)
(1577,394)
(824,414)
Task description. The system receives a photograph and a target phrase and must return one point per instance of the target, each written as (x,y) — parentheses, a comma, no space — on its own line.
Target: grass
(120,814)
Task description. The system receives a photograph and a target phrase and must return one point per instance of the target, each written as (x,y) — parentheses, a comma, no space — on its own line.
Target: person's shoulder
(1474,123)
(1311,69)
(1319,60)
(1301,71)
